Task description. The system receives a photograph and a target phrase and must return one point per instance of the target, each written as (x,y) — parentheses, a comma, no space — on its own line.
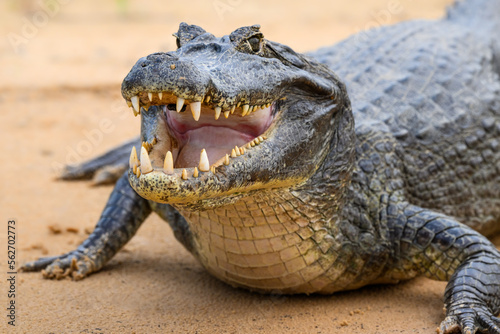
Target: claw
(448,325)
(470,323)
(491,324)
(38,264)
(74,265)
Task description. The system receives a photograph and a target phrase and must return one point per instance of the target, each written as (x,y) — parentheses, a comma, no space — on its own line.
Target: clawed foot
(469,320)
(74,264)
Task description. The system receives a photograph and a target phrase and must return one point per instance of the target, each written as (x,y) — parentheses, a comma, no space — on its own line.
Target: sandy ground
(60,103)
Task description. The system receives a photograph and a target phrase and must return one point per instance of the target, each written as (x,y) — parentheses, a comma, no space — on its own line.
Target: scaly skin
(317,205)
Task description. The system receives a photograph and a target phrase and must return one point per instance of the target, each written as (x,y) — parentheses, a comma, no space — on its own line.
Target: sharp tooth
(150,96)
(145,162)
(133,161)
(261,139)
(146,107)
(217,112)
(204,164)
(160,95)
(245,109)
(268,105)
(226,113)
(168,164)
(252,144)
(237,149)
(264,137)
(129,104)
(135,112)
(207,99)
(238,104)
(233,108)
(233,153)
(242,150)
(135,103)
(195,173)
(196,110)
(226,160)
(180,104)
(154,141)
(138,172)
(184,174)
(146,145)
(134,169)
(212,169)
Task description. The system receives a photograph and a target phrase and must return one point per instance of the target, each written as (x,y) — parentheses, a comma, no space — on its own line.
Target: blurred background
(76,42)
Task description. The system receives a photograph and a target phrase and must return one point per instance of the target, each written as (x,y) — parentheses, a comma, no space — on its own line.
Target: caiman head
(224,117)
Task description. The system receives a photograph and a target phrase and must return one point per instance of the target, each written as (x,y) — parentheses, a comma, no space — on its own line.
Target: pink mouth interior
(217,137)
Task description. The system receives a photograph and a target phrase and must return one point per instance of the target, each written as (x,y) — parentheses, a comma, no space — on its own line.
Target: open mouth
(194,137)
(224,117)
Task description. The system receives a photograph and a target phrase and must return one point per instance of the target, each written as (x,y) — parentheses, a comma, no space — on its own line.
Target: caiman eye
(254,43)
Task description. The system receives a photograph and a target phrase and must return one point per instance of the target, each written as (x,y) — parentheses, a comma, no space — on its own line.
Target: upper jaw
(224,81)
(220,106)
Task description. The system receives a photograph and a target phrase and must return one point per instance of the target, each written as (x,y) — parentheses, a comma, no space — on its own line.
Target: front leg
(122,216)
(443,249)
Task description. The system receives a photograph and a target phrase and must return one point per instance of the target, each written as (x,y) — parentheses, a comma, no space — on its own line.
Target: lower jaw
(157,158)
(184,156)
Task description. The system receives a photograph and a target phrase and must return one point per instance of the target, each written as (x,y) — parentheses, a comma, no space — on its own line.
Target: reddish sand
(60,103)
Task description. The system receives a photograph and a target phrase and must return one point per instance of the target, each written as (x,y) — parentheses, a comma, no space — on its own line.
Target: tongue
(217,141)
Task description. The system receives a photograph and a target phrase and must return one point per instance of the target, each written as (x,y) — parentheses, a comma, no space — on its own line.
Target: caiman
(279,175)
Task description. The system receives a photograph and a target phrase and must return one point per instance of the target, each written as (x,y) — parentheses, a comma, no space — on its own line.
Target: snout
(161,72)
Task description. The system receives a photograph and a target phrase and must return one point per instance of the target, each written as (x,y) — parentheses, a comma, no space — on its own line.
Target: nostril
(143,62)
